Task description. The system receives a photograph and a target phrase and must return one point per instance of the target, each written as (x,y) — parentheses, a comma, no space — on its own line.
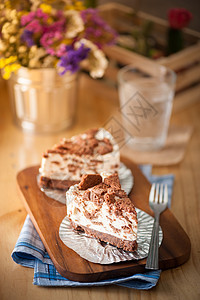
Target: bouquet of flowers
(52,34)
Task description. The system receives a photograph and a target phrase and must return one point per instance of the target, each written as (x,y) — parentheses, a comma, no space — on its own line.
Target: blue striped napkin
(30,252)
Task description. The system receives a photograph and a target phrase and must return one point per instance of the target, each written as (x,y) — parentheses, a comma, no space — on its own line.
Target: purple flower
(71,60)
(96,29)
(27,37)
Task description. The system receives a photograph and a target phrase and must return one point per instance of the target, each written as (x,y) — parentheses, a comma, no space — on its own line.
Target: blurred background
(160,8)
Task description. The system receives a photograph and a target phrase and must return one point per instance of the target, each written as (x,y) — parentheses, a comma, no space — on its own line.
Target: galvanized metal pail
(43,101)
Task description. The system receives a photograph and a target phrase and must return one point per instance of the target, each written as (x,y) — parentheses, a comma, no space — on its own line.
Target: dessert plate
(47,215)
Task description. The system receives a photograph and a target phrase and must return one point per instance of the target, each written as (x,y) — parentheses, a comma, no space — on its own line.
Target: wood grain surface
(47,215)
(97,102)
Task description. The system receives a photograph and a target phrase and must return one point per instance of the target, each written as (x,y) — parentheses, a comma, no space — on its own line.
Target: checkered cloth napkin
(30,252)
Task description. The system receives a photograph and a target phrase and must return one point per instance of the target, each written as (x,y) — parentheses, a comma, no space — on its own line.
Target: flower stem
(175,41)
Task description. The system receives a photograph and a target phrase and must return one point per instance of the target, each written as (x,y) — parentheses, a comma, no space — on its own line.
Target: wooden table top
(18,150)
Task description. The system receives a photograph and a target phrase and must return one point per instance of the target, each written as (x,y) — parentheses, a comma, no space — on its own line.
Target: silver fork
(158,200)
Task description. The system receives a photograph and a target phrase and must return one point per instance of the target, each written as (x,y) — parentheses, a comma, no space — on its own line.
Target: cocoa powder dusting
(113,181)
(86,144)
(108,191)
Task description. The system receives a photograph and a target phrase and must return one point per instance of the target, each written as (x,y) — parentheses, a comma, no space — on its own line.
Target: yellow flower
(76,5)
(9,65)
(56,62)
(79,5)
(46,8)
(7,4)
(11,59)
(6,73)
(7,61)
(67,41)
(50,20)
(49,1)
(2,64)
(69,7)
(22,13)
(15,67)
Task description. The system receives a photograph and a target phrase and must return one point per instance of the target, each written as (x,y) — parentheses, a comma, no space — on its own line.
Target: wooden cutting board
(47,214)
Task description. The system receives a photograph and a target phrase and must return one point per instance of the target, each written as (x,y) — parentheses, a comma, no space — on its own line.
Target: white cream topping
(107,220)
(72,166)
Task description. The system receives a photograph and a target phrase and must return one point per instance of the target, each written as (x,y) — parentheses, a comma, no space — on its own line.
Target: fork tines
(159,193)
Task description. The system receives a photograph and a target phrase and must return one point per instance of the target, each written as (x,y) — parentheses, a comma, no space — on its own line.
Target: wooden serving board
(47,214)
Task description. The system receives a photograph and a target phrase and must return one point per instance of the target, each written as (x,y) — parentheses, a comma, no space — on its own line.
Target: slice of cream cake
(92,152)
(99,207)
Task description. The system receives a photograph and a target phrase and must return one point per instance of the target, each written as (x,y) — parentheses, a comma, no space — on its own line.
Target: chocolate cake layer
(126,245)
(56,183)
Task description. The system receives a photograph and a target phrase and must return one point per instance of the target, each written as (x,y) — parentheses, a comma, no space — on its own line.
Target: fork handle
(152,259)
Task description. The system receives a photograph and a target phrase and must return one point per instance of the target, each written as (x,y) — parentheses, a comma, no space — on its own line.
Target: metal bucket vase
(43,101)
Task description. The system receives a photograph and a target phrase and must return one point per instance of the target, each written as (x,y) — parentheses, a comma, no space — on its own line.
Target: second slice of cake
(92,152)
(102,210)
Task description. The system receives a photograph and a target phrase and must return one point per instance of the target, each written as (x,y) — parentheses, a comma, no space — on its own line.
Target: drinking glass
(146,96)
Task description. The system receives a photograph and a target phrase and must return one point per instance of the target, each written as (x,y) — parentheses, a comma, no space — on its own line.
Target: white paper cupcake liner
(94,251)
